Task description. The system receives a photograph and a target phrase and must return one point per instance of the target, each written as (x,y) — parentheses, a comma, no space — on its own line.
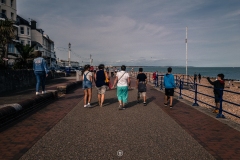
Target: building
(64,63)
(26,33)
(43,44)
(9,11)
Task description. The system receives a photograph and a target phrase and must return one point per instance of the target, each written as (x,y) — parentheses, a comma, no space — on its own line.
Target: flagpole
(186,52)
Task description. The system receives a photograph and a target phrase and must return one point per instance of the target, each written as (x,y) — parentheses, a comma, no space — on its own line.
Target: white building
(8,9)
(44,44)
(64,63)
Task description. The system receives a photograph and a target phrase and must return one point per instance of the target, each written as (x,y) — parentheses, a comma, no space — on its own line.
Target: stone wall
(11,80)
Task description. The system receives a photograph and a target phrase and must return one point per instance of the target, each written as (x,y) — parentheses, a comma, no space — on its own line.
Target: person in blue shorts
(169,85)
(217,90)
(87,85)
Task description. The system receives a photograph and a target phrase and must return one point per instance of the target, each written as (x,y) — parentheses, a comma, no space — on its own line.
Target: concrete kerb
(9,111)
(204,110)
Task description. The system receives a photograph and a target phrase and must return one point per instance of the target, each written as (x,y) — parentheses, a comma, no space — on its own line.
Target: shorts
(169,91)
(217,98)
(122,94)
(102,89)
(141,94)
(86,84)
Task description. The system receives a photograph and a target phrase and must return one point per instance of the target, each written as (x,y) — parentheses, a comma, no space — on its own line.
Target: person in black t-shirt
(141,85)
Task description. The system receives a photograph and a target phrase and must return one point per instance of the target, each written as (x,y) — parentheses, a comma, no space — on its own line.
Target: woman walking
(123,81)
(87,85)
(100,78)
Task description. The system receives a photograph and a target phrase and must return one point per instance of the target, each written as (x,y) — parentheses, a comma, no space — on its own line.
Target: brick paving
(219,139)
(18,139)
(66,130)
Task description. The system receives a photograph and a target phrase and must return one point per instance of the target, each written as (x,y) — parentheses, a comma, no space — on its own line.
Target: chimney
(33,24)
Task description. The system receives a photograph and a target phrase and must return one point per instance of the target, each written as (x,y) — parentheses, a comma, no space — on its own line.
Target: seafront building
(9,11)
(26,33)
(63,63)
(44,44)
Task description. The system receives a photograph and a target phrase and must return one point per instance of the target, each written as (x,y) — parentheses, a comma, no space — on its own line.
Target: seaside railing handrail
(180,83)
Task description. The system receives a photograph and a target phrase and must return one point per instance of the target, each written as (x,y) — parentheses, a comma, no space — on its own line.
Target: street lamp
(69,54)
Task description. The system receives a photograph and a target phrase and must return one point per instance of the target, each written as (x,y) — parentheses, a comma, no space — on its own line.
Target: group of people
(101,78)
(195,76)
(123,82)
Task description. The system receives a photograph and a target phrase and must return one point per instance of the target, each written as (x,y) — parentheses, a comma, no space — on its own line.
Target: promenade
(65,129)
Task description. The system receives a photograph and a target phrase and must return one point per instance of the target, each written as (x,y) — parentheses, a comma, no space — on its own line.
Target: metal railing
(184,82)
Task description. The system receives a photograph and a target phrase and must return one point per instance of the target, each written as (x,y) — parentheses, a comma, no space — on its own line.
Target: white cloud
(134,31)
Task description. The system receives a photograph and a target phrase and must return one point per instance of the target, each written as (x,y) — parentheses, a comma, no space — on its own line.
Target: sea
(230,73)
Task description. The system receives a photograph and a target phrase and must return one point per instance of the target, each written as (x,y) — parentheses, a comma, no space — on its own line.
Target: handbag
(142,87)
(106,80)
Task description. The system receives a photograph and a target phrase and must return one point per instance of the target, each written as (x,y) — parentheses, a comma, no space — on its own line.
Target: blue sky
(141,32)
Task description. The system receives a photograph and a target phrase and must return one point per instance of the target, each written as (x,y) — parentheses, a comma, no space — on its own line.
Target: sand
(202,88)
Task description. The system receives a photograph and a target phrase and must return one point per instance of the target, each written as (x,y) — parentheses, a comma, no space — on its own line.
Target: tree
(25,54)
(6,36)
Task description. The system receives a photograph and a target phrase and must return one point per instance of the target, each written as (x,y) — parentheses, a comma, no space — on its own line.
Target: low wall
(11,80)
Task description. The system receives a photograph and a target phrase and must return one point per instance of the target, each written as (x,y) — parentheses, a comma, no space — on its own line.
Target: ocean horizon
(231,73)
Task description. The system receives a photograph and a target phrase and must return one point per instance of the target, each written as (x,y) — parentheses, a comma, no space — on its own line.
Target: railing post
(156,82)
(180,88)
(161,85)
(220,115)
(195,99)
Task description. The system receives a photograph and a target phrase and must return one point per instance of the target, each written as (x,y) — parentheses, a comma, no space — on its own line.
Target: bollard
(161,85)
(220,115)
(195,99)
(180,88)
(78,74)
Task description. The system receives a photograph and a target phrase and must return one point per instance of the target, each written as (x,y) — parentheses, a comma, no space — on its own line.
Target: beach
(227,96)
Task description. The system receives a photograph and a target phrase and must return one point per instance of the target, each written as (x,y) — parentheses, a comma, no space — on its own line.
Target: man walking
(169,85)
(40,71)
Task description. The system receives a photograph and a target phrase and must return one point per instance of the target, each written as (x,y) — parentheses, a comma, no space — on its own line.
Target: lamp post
(186,52)
(69,54)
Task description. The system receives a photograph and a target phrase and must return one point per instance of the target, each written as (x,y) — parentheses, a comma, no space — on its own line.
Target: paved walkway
(21,94)
(66,130)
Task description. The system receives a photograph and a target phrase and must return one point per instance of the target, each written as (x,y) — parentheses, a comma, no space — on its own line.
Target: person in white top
(123,81)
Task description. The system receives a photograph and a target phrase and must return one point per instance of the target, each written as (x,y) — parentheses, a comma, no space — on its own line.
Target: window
(4,12)
(22,42)
(22,30)
(29,42)
(3,1)
(11,3)
(11,48)
(12,15)
(28,31)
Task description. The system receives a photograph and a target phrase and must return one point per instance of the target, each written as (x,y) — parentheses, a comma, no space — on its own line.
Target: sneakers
(170,106)
(37,93)
(89,105)
(165,104)
(43,92)
(121,107)
(144,103)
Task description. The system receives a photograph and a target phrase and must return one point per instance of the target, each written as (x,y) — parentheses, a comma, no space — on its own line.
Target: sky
(141,32)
